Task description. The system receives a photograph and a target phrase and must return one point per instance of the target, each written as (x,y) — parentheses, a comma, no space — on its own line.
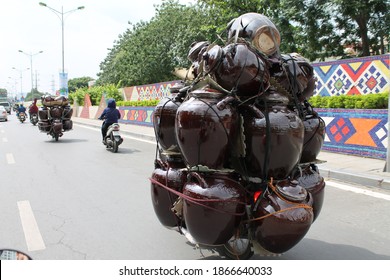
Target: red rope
(199,201)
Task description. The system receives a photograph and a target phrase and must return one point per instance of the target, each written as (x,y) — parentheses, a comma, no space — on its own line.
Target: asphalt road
(74,200)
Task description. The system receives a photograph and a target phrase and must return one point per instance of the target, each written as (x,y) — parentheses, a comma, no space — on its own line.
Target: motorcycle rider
(33,109)
(21,109)
(110,115)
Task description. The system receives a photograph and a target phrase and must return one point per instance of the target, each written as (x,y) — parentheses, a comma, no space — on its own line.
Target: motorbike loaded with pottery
(237,145)
(55,116)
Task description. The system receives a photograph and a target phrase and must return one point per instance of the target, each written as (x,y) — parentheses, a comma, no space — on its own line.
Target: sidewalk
(347,168)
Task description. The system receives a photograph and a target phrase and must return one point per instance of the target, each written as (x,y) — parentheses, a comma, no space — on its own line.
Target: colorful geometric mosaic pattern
(137,115)
(357,132)
(363,75)
(148,92)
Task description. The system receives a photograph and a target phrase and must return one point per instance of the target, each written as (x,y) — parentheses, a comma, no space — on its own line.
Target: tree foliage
(366,22)
(148,52)
(76,83)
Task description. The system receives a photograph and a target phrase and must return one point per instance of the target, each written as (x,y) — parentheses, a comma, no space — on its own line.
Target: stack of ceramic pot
(241,135)
(55,108)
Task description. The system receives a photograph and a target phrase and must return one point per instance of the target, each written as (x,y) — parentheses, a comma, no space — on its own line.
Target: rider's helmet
(111,103)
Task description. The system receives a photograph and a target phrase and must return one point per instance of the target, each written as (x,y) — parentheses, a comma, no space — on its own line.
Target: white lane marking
(30,227)
(5,139)
(124,136)
(358,190)
(10,158)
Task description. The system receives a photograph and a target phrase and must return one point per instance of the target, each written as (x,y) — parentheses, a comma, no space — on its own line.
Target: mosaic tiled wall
(356,132)
(148,92)
(137,115)
(362,75)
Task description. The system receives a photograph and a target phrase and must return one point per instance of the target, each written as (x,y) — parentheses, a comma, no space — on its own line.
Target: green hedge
(369,101)
(140,103)
(95,94)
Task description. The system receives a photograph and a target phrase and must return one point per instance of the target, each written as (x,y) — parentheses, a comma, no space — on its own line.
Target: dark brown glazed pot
(195,55)
(68,112)
(172,175)
(310,179)
(214,207)
(257,29)
(281,150)
(43,113)
(67,124)
(56,112)
(314,138)
(296,76)
(44,125)
(164,123)
(280,231)
(241,68)
(204,132)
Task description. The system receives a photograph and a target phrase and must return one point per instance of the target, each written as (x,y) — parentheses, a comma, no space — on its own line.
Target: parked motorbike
(12,254)
(113,138)
(34,119)
(22,117)
(55,116)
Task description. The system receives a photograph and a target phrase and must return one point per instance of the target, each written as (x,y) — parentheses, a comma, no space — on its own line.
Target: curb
(366,179)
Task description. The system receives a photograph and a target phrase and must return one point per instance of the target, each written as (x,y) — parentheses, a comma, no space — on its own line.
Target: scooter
(22,117)
(34,118)
(113,139)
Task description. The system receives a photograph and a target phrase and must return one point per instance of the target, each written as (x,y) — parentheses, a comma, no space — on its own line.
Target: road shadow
(126,151)
(310,249)
(66,141)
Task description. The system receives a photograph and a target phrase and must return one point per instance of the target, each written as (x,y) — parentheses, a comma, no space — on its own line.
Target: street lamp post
(60,15)
(31,67)
(21,77)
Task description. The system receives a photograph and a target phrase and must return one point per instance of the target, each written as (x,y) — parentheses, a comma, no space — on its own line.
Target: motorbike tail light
(256,195)
(116,128)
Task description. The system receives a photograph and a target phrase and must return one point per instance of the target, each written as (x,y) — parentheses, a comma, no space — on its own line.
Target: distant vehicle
(6,105)
(3,114)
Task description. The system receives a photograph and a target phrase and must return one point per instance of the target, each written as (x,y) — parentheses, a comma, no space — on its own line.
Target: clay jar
(214,207)
(241,68)
(310,179)
(297,77)
(313,139)
(43,113)
(282,230)
(172,175)
(274,149)
(204,132)
(56,112)
(164,123)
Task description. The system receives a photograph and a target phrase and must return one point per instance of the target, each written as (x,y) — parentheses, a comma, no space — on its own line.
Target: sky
(88,34)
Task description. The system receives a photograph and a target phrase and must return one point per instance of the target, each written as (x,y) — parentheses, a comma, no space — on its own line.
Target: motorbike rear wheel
(115,145)
(237,249)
